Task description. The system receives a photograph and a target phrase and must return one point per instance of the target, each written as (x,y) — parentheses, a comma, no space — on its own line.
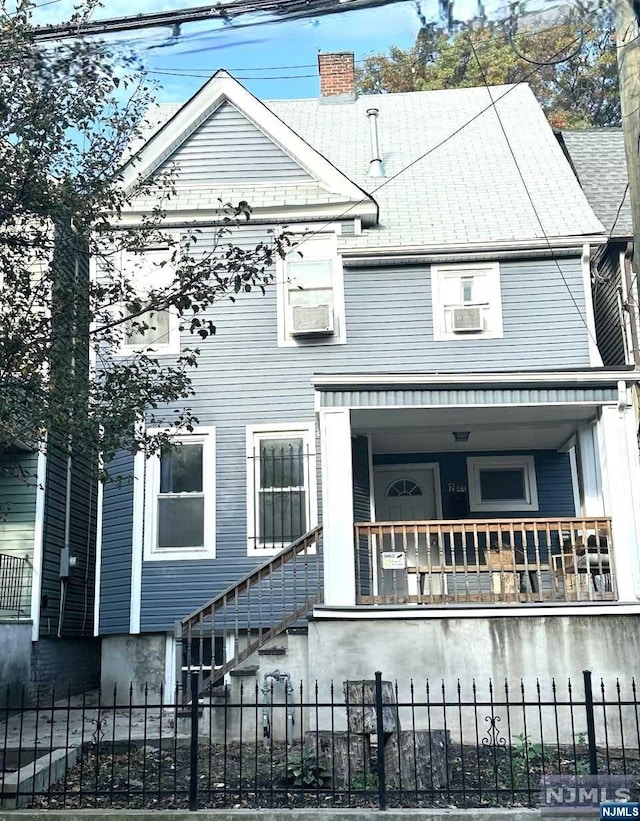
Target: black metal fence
(370,743)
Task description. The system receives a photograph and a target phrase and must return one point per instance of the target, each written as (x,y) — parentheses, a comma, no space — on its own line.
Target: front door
(408,493)
(405,494)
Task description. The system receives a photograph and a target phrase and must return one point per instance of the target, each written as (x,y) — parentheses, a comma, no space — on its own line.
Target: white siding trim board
(524,379)
(38,543)
(137,541)
(393,254)
(268,215)
(461,611)
(98,570)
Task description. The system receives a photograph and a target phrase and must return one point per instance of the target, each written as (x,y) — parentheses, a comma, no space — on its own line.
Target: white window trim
(256,432)
(339,337)
(495,300)
(169,348)
(205,435)
(477,463)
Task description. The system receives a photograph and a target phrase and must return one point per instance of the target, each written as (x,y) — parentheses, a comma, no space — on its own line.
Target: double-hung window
(156,329)
(466,301)
(281,486)
(311,292)
(502,483)
(180,499)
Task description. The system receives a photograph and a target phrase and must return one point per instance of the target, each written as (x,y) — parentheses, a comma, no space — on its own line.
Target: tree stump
(344,755)
(422,766)
(360,699)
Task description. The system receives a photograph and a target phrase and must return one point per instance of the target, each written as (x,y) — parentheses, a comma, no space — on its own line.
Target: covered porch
(485,490)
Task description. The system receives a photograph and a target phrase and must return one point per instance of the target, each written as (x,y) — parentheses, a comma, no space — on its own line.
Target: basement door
(408,493)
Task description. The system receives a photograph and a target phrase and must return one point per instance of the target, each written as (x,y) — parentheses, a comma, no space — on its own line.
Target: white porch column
(620,463)
(337,507)
(592,501)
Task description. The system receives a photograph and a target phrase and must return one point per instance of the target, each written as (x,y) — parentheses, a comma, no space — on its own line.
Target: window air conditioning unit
(466,319)
(310,320)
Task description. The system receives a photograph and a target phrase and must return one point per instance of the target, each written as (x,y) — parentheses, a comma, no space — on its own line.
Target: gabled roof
(223,90)
(598,157)
(450,177)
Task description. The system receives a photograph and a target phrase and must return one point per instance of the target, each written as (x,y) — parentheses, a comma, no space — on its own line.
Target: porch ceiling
(406,430)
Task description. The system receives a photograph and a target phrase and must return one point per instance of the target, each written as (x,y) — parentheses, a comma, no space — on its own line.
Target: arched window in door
(403,487)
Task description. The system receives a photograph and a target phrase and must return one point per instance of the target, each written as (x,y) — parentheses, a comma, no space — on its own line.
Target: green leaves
(67,116)
(574,93)
(304,770)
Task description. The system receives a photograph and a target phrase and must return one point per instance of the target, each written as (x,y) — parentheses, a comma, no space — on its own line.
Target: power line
(622,202)
(433,148)
(209,71)
(226,12)
(442,142)
(205,76)
(526,188)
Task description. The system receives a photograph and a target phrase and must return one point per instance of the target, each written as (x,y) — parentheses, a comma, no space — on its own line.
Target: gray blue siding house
(411,457)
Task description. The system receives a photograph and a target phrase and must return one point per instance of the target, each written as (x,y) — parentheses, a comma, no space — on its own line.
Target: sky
(253,53)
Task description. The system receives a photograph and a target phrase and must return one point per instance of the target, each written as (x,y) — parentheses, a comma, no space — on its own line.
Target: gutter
(467,380)
(389,253)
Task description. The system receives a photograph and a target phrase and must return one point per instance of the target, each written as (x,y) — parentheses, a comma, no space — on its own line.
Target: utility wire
(528,192)
(238,77)
(442,142)
(433,148)
(226,12)
(622,201)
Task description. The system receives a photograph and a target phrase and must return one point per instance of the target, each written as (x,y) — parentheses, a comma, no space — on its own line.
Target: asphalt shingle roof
(599,160)
(468,188)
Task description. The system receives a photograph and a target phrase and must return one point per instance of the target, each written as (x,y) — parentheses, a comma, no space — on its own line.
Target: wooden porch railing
(263,604)
(493,561)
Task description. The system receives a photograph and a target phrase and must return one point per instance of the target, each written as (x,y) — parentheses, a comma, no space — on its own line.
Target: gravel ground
(241,776)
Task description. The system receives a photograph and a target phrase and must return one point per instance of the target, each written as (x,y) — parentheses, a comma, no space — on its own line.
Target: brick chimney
(337,76)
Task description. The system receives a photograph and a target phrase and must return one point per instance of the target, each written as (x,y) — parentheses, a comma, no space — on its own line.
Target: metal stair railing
(257,608)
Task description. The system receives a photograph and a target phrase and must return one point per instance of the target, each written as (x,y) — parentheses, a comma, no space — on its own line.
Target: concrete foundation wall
(540,652)
(134,660)
(277,710)
(15,659)
(448,650)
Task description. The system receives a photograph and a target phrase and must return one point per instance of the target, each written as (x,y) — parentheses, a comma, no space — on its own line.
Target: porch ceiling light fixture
(461,435)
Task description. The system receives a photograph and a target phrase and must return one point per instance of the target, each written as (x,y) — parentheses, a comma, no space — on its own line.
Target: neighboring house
(428,362)
(598,159)
(48,513)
